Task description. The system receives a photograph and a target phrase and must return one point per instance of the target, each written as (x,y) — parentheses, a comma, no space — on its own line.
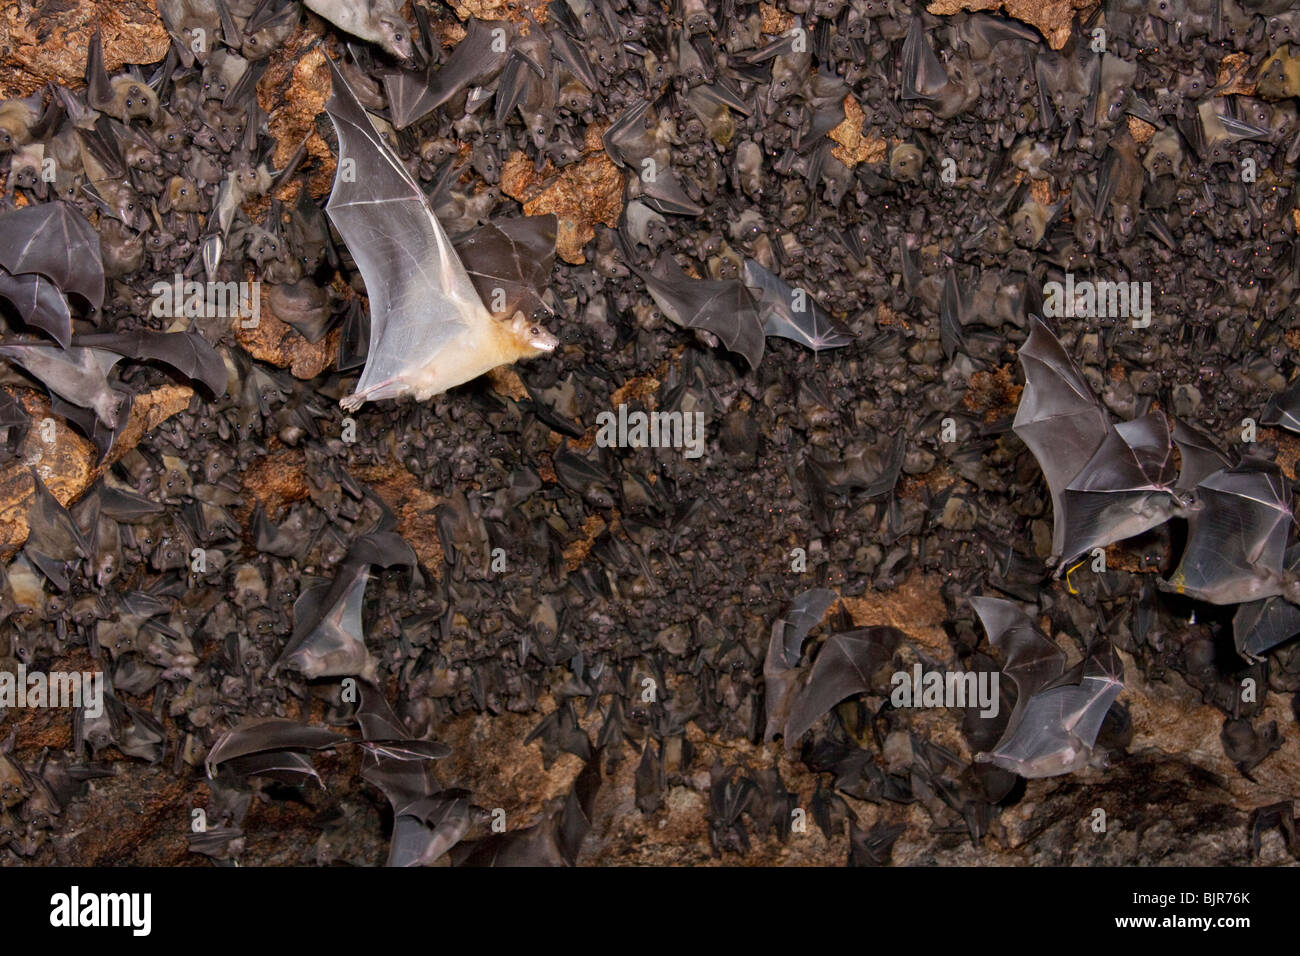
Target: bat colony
(447,302)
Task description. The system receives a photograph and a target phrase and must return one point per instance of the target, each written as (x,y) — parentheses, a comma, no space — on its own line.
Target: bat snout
(542,340)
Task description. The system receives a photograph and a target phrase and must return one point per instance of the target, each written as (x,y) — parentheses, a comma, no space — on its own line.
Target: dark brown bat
(476,60)
(720,307)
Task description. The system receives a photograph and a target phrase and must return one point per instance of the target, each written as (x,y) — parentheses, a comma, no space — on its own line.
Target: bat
(1237,537)
(721,307)
(375,21)
(1282,409)
(1058,714)
(18,118)
(55,240)
(1067,84)
(335,647)
(187,352)
(267,27)
(792,313)
(475,61)
(263,734)
(126,97)
(842,668)
(927,80)
(411,270)
(78,375)
(429,827)
(1213,134)
(327,638)
(54,538)
(1058,418)
(1126,488)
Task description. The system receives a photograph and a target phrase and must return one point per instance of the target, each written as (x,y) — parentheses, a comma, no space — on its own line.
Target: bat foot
(351,403)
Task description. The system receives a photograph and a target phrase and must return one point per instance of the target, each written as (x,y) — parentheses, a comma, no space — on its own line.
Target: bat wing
(269,733)
(805,611)
(1201,457)
(421,297)
(722,307)
(187,352)
(428,828)
(78,375)
(784,650)
(335,646)
(283,766)
(843,668)
(1123,490)
(39,303)
(1237,535)
(515,256)
(55,240)
(1029,657)
(412,95)
(792,314)
(1059,418)
(1282,409)
(1058,726)
(1261,625)
(923,72)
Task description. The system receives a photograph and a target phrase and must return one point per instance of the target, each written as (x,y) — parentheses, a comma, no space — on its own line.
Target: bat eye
(534,331)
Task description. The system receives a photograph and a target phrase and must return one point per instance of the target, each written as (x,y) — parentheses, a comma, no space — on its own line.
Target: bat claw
(351,403)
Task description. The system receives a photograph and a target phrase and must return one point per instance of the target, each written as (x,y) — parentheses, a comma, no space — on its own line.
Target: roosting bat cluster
(326,592)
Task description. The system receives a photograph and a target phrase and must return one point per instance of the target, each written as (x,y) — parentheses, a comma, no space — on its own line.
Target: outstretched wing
(421,298)
(1059,418)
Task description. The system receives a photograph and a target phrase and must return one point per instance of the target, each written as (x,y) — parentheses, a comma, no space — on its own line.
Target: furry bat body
(429,330)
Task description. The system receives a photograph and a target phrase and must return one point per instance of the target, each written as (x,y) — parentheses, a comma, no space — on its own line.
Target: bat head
(397,38)
(531,336)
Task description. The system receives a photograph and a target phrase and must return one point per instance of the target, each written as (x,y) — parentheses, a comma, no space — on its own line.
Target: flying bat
(1126,487)
(1237,537)
(843,667)
(1261,625)
(1107,482)
(792,313)
(429,330)
(722,307)
(1058,713)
